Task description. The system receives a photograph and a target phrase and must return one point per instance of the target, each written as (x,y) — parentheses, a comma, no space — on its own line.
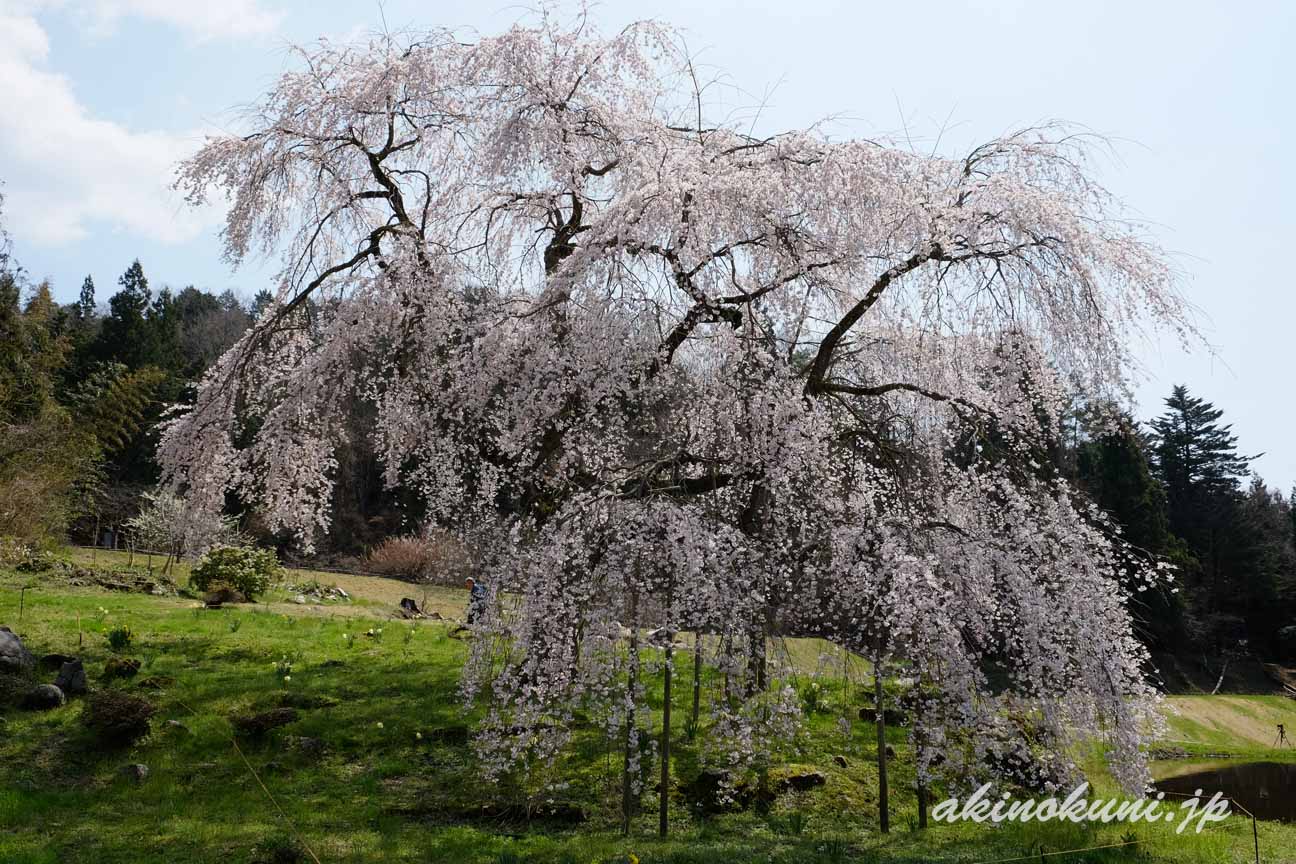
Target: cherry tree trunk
(884,822)
(663,817)
(631,734)
(697,683)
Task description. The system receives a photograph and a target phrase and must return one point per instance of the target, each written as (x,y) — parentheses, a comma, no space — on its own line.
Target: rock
(135,773)
(14,656)
(43,698)
(306,701)
(117,718)
(121,667)
(452,735)
(156,682)
(840,762)
(257,725)
(72,678)
(54,662)
(300,599)
(891,716)
(803,782)
(219,594)
(342,594)
(305,745)
(712,792)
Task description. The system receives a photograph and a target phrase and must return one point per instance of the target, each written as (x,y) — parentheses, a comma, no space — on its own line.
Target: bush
(120,637)
(249,571)
(436,557)
(117,718)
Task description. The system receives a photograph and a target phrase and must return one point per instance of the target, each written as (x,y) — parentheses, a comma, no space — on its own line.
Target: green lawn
(380,792)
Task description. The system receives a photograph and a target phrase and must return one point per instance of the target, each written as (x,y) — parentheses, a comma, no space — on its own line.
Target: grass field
(375,768)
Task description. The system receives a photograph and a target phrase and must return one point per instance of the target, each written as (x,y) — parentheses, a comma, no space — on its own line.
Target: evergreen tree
(1112,467)
(125,336)
(1193,453)
(85,306)
(1195,456)
(261,302)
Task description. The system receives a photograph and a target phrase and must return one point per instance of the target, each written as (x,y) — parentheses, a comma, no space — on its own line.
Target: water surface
(1267,789)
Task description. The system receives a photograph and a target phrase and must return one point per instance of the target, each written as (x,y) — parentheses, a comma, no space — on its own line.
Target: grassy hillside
(1236,725)
(376,765)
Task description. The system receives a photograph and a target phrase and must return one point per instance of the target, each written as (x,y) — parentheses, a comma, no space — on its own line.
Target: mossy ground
(379,792)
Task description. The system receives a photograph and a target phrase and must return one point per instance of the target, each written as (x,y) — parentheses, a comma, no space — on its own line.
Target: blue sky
(99,98)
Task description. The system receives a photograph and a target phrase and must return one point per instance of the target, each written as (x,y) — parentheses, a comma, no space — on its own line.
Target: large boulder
(14,656)
(72,679)
(54,662)
(43,698)
(117,718)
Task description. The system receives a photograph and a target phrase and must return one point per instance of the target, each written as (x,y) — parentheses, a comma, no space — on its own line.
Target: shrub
(435,557)
(120,667)
(117,718)
(120,637)
(249,571)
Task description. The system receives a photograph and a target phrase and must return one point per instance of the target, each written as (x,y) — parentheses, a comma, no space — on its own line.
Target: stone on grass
(803,782)
(121,667)
(72,678)
(221,592)
(14,656)
(257,725)
(54,662)
(117,718)
(43,698)
(156,682)
(307,746)
(135,773)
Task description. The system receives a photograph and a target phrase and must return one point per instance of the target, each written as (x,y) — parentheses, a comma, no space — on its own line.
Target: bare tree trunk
(726,642)
(884,819)
(663,818)
(1223,672)
(631,734)
(919,749)
(697,682)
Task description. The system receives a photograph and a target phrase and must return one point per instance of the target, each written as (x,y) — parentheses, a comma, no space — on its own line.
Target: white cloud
(202,19)
(65,170)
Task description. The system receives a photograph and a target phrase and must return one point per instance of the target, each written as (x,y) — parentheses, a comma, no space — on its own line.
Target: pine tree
(1193,453)
(85,307)
(125,336)
(1196,458)
(1112,467)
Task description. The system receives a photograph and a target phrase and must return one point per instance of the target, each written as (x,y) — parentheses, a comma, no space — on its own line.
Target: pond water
(1267,789)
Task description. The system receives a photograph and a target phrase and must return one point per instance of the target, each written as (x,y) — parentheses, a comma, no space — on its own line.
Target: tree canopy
(689,376)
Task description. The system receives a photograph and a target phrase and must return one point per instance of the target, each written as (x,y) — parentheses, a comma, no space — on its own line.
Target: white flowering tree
(691,379)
